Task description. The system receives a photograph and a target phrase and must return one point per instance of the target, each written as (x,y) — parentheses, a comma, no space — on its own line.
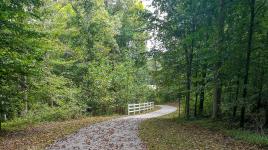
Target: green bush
(44,114)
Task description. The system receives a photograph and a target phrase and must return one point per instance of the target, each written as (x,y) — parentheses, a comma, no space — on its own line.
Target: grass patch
(168,132)
(239,134)
(250,137)
(38,136)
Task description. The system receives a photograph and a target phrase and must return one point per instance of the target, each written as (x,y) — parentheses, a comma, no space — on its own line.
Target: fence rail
(141,107)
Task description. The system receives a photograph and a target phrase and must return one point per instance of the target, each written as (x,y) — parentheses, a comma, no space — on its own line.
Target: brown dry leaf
(41,135)
(165,133)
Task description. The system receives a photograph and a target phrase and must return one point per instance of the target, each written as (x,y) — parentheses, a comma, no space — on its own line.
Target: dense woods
(214,58)
(60,57)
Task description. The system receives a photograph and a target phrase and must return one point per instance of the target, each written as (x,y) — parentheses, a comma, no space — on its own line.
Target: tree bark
(1,112)
(217,76)
(195,104)
(189,57)
(259,102)
(217,100)
(204,67)
(236,98)
(202,90)
(180,108)
(196,93)
(249,48)
(266,115)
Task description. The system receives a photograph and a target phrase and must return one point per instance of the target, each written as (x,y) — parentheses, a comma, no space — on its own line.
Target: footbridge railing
(141,107)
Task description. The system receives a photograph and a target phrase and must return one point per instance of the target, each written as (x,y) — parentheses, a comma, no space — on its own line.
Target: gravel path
(116,134)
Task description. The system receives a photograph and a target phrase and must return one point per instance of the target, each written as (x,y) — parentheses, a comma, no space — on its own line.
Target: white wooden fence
(141,107)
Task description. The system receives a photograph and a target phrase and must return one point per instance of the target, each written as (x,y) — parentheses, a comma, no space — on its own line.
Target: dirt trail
(121,133)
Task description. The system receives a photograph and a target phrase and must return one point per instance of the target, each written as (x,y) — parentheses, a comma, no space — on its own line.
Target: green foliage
(248,136)
(113,50)
(207,52)
(43,113)
(59,57)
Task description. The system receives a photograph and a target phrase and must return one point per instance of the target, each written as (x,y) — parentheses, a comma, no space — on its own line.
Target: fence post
(128,109)
(134,108)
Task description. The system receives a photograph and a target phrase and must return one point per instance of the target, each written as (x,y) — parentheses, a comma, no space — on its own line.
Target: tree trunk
(155,74)
(217,101)
(179,108)
(236,98)
(202,90)
(249,48)
(259,102)
(189,78)
(234,111)
(195,104)
(1,112)
(201,101)
(196,93)
(204,68)
(188,84)
(217,76)
(189,59)
(266,115)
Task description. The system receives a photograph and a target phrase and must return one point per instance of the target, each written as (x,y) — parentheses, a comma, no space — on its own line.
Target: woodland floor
(167,133)
(137,132)
(38,136)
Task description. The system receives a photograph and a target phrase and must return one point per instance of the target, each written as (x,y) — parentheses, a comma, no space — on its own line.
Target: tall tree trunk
(259,102)
(179,108)
(249,48)
(217,76)
(236,98)
(204,67)
(217,100)
(1,113)
(266,115)
(155,79)
(189,57)
(195,104)
(202,90)
(196,92)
